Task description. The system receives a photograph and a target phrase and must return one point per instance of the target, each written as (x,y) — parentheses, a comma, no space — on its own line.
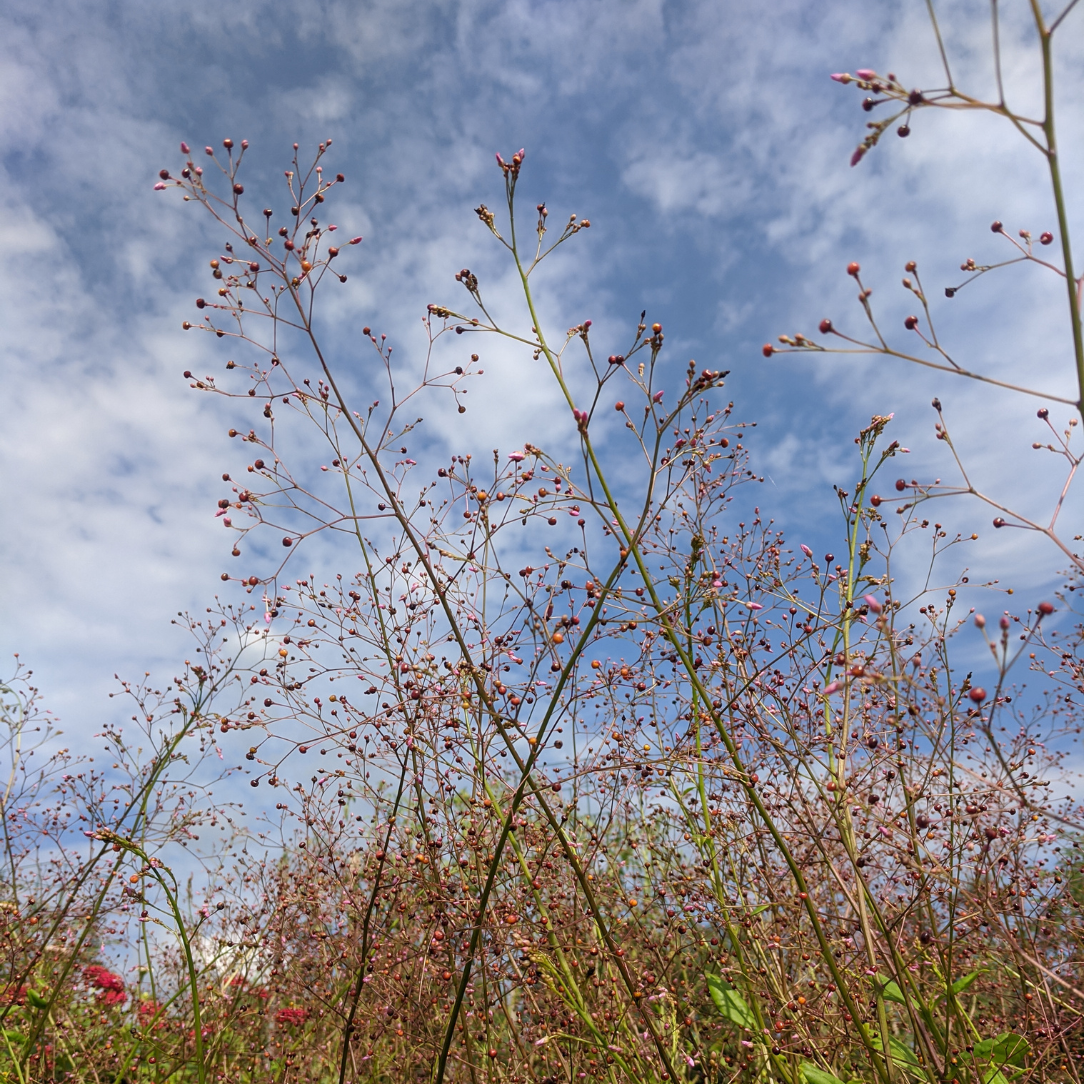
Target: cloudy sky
(704,140)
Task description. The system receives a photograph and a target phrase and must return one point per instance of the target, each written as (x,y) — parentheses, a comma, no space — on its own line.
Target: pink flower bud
(516,457)
(858,155)
(833,688)
(159,186)
(806,550)
(866,73)
(657,397)
(184,147)
(872,603)
(841,77)
(355,240)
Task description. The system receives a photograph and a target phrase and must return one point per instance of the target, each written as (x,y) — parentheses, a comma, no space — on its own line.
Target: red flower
(290,1016)
(110,985)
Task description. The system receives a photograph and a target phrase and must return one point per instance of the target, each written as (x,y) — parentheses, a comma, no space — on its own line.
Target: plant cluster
(579,770)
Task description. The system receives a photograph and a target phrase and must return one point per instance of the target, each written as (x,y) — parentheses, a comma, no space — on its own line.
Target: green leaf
(960,985)
(730,1003)
(761,909)
(814,1074)
(1007,1049)
(890,990)
(1010,1049)
(901,1055)
(13,1036)
(36,999)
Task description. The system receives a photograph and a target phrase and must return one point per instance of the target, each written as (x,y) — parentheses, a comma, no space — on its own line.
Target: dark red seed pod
(903,131)
(901,485)
(238,188)
(200,303)
(1046,608)
(825,326)
(1045,238)
(977,694)
(999,522)
(875,501)
(853,268)
(911,322)
(996,227)
(767,350)
(287,541)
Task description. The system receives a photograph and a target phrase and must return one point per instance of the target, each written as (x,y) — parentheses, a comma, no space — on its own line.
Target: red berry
(287,541)
(825,326)
(1046,608)
(996,227)
(911,323)
(977,694)
(853,268)
(767,350)
(901,485)
(1045,238)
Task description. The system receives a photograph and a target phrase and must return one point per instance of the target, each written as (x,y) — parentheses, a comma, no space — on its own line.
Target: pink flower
(858,155)
(355,241)
(159,186)
(841,77)
(806,550)
(866,73)
(657,397)
(184,147)
(872,603)
(833,688)
(517,457)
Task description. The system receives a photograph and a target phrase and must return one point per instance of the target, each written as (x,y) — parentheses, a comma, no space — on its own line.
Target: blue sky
(705,142)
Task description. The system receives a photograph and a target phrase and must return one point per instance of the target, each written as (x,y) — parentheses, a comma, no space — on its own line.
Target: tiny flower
(859,153)
(866,74)
(184,147)
(516,457)
(657,397)
(355,240)
(159,186)
(833,688)
(872,603)
(806,550)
